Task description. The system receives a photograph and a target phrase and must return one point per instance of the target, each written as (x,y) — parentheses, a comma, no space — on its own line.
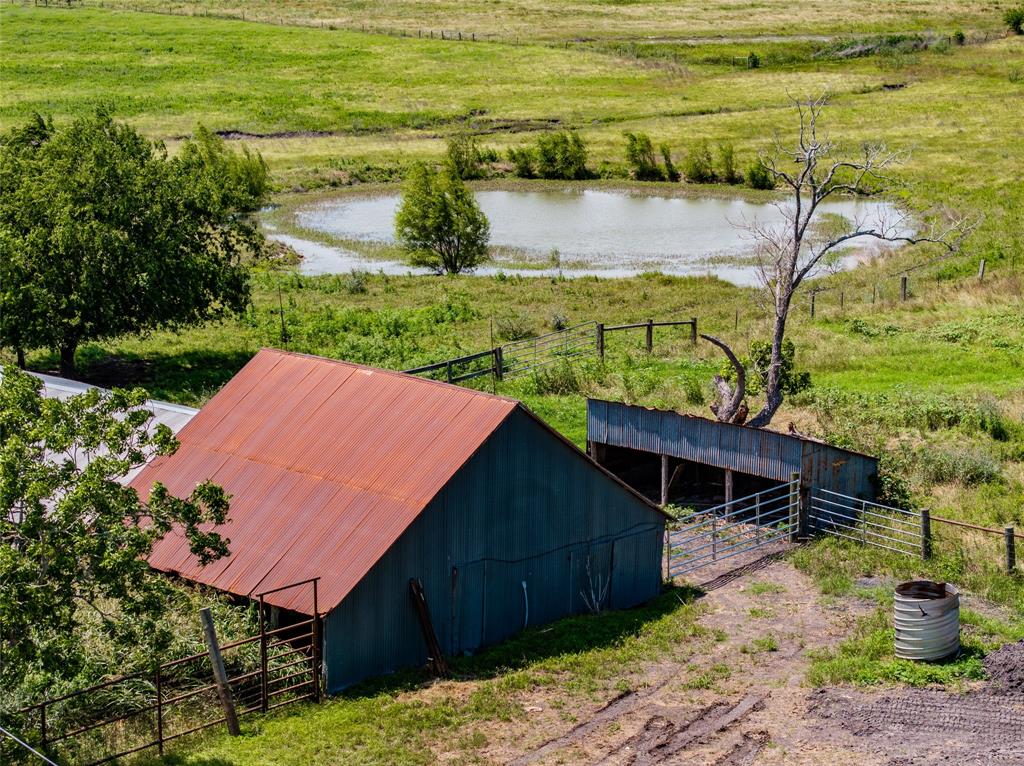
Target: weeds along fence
(532,355)
(147,710)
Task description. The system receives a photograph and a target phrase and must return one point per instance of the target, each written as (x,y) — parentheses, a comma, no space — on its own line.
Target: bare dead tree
(731,406)
(806,242)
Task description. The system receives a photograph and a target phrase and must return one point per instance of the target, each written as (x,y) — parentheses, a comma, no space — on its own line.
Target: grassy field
(558,20)
(934,385)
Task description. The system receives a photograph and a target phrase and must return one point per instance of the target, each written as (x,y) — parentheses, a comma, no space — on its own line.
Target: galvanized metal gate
(868,523)
(756,521)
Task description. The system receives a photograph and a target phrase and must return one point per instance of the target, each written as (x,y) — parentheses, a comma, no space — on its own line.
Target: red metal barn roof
(327,464)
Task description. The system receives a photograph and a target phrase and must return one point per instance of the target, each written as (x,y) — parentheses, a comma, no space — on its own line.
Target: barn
(698,462)
(367,479)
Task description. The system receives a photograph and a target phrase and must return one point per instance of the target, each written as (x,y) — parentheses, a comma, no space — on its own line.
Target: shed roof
(327,464)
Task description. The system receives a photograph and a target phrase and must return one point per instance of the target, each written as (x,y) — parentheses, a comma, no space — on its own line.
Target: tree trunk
(21,358)
(67,360)
(772,389)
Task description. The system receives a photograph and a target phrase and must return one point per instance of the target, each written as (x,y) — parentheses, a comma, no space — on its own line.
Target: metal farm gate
(739,526)
(882,526)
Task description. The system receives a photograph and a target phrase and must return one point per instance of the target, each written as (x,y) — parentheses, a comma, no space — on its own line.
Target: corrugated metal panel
(526,508)
(754,451)
(327,464)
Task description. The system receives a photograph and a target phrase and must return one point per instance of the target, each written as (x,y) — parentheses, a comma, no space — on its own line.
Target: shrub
(465,157)
(959,37)
(956,464)
(670,169)
(561,378)
(355,284)
(698,166)
(561,155)
(559,322)
(753,61)
(727,161)
(524,160)
(643,165)
(759,177)
(1014,19)
(514,327)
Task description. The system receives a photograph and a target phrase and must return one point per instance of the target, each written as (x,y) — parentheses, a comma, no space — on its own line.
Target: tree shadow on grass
(187,377)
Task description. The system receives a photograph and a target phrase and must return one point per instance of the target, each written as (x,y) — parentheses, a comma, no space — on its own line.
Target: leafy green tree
(727,162)
(465,157)
(670,169)
(698,168)
(561,155)
(1014,19)
(73,537)
(641,159)
(440,223)
(102,234)
(524,160)
(759,176)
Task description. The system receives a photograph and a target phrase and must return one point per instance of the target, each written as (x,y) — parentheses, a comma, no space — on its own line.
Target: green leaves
(440,223)
(73,536)
(102,234)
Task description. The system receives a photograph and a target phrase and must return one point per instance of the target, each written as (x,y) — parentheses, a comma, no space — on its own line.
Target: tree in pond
(103,234)
(73,537)
(807,241)
(440,223)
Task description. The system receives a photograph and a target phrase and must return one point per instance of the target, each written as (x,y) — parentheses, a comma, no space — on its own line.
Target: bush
(561,378)
(753,61)
(759,177)
(670,169)
(959,37)
(514,327)
(355,284)
(559,322)
(524,160)
(465,157)
(727,161)
(561,155)
(643,165)
(956,465)
(1014,18)
(698,167)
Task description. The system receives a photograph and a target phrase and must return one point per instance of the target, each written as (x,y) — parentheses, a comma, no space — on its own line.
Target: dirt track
(762,714)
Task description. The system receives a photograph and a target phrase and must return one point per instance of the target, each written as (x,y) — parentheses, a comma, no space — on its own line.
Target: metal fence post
(693,330)
(317,659)
(714,535)
(926,533)
(1011,550)
(757,518)
(650,335)
(600,339)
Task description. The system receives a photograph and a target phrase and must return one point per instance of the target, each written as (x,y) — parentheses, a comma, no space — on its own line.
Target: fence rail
(733,528)
(882,526)
(171,701)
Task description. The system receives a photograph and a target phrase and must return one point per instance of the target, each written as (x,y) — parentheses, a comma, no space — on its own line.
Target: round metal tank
(927,620)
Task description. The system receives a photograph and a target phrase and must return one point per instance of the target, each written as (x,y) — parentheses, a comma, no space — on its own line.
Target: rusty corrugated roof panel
(327,463)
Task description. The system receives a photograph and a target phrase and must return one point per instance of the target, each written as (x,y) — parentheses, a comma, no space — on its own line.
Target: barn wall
(526,508)
(753,451)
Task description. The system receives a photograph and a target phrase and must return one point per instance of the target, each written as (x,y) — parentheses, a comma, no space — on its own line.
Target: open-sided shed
(367,478)
(694,460)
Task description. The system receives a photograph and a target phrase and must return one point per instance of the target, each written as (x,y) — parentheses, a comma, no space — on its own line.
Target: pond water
(595,232)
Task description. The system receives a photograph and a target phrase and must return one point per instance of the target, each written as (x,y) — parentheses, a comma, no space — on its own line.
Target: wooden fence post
(650,335)
(220,676)
(842,300)
(926,533)
(448,370)
(1011,550)
(664,480)
(499,363)
(813,294)
(600,339)
(903,288)
(874,292)
(981,271)
(159,712)
(693,331)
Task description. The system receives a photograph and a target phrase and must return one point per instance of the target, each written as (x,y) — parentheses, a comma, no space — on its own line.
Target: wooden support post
(981,271)
(926,533)
(159,712)
(650,335)
(448,370)
(813,294)
(903,288)
(664,480)
(435,657)
(728,491)
(220,676)
(874,292)
(736,325)
(600,339)
(1011,550)
(842,300)
(499,363)
(693,330)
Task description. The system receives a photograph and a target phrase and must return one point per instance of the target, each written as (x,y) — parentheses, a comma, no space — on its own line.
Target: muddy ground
(756,710)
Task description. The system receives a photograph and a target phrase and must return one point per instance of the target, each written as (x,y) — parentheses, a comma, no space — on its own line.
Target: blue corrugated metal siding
(753,451)
(526,508)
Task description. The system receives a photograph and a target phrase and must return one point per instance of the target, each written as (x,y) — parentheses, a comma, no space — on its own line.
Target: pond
(594,232)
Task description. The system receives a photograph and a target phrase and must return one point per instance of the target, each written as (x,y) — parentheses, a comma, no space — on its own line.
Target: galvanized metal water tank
(927,620)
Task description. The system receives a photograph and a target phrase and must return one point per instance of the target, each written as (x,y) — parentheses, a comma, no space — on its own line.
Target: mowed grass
(556,20)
